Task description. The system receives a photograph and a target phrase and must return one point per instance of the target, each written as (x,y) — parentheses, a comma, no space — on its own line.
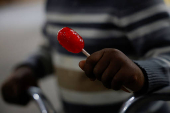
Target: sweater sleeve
(157,72)
(149,33)
(40,61)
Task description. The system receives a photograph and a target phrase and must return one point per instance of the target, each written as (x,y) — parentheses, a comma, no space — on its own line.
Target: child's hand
(14,89)
(113,69)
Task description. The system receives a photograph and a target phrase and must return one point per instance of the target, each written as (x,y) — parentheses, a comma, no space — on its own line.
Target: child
(137,29)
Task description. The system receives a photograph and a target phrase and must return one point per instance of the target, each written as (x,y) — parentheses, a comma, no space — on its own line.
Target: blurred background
(20,33)
(18,38)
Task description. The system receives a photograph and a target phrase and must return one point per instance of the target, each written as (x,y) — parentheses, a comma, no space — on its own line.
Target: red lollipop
(71,41)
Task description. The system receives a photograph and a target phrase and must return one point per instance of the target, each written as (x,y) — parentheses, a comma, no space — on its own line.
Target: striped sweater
(139,28)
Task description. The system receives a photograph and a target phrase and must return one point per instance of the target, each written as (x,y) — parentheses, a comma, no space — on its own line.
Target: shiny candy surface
(70,40)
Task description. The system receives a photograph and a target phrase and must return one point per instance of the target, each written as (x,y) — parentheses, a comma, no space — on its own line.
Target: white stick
(128,89)
(85,52)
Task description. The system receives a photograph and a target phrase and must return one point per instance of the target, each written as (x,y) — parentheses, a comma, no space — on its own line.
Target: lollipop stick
(130,91)
(85,52)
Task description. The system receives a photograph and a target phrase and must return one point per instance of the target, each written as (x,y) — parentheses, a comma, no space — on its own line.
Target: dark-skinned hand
(114,69)
(15,87)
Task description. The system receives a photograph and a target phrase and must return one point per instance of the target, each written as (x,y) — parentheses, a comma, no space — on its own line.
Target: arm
(40,62)
(27,74)
(152,44)
(147,29)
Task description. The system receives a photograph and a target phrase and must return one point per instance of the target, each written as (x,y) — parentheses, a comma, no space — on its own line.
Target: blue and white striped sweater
(140,29)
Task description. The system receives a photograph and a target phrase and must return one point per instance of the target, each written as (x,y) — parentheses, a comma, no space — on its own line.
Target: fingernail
(81,65)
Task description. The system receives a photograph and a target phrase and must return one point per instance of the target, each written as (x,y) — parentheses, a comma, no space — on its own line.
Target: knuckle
(115,55)
(115,79)
(108,51)
(115,51)
(133,79)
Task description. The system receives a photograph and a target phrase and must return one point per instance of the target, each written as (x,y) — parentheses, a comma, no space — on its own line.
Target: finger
(81,64)
(9,92)
(12,93)
(118,80)
(109,73)
(25,81)
(125,78)
(101,66)
(129,78)
(14,88)
(91,62)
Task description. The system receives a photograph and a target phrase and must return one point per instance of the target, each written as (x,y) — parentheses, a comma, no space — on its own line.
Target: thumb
(81,64)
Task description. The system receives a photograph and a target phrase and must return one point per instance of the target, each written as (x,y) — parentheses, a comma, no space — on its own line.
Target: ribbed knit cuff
(35,64)
(155,74)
